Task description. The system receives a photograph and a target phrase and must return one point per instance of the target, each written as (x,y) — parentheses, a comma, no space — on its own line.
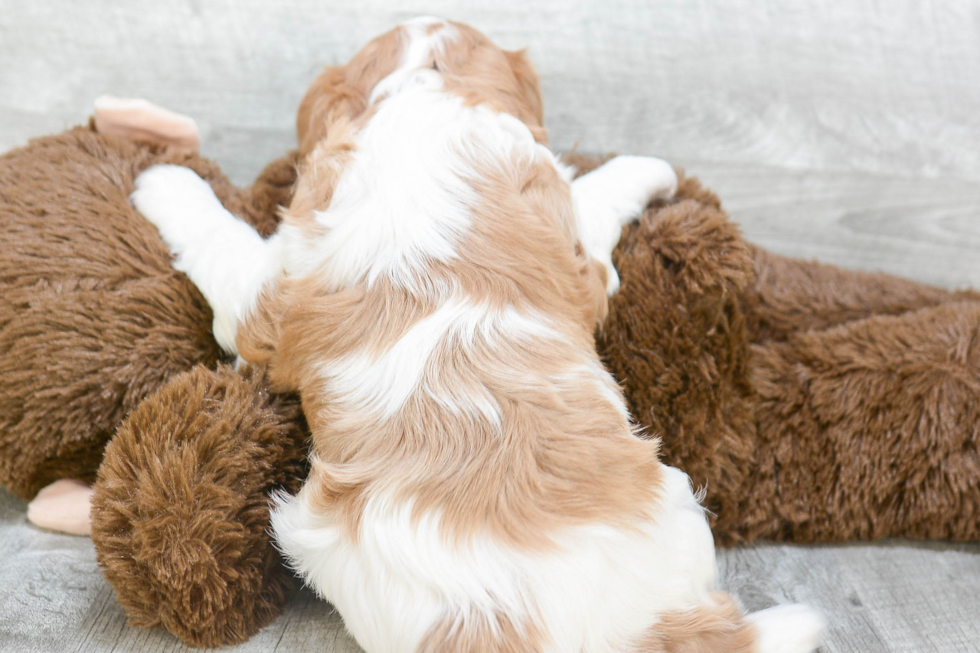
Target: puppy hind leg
(478,633)
(789,628)
(718,626)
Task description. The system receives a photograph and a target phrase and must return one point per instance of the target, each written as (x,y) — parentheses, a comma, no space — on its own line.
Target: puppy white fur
(476,482)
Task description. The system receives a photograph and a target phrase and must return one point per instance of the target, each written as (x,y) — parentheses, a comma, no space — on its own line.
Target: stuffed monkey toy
(811,402)
(102,342)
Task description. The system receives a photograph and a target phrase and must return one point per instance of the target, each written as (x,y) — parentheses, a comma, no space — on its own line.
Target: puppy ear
(327,100)
(530,87)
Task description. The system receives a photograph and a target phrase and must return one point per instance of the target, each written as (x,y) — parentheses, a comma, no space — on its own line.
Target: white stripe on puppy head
(425,35)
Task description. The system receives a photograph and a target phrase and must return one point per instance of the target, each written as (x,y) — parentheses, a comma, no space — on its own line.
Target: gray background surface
(864,85)
(846,131)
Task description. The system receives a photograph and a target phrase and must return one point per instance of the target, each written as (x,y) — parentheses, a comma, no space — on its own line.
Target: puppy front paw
(612,276)
(614,195)
(174,199)
(166,194)
(637,181)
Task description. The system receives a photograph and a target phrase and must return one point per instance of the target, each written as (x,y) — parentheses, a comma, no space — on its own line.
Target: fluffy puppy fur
(432,293)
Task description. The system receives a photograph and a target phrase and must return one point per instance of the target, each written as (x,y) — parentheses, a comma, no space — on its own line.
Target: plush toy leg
(140,120)
(866,429)
(790,296)
(871,429)
(180,515)
(63,506)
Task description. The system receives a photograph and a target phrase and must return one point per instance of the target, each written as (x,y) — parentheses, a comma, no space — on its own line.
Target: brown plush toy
(100,339)
(813,403)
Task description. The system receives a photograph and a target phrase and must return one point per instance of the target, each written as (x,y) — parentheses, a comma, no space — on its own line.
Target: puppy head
(341,93)
(458,57)
(482,73)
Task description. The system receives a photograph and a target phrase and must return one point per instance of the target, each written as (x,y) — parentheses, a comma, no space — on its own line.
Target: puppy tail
(718,626)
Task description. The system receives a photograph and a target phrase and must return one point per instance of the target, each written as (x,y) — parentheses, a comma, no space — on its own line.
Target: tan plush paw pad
(141,120)
(63,506)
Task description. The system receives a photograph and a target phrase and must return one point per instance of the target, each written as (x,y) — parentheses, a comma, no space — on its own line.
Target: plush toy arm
(222,255)
(614,195)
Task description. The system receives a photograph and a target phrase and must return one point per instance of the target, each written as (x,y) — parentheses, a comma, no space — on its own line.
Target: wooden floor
(883,597)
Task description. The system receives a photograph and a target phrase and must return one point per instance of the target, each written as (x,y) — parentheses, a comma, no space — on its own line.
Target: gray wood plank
(924,229)
(886,87)
(765,575)
(888,596)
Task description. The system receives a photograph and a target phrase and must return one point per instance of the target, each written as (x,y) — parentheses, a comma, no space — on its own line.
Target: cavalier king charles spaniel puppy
(432,293)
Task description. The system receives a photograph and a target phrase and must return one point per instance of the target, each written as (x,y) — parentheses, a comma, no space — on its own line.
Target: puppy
(432,293)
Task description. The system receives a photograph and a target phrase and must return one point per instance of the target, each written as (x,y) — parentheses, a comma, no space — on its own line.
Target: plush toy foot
(63,506)
(180,517)
(140,120)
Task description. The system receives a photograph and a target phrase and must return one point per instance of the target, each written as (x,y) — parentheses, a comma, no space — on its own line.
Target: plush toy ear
(136,119)
(527,78)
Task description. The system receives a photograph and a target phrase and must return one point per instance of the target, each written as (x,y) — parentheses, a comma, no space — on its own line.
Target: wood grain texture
(885,87)
(924,229)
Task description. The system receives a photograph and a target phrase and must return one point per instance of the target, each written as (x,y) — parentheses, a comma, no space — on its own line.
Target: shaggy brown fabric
(676,340)
(870,429)
(789,296)
(181,505)
(812,403)
(93,321)
(93,318)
